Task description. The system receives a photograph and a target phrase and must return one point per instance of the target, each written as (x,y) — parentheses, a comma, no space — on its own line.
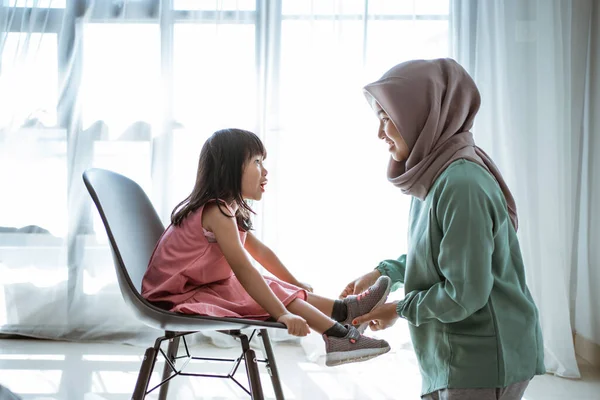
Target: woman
(473,322)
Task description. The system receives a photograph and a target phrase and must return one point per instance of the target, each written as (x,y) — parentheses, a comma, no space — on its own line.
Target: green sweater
(472,320)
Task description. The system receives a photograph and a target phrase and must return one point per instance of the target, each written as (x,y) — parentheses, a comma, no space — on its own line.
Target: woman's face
(389,133)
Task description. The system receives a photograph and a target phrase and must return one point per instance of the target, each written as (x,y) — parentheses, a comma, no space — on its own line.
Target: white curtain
(137,86)
(532,61)
(329,212)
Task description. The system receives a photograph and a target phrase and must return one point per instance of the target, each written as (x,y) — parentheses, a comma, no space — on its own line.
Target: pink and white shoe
(364,302)
(353,347)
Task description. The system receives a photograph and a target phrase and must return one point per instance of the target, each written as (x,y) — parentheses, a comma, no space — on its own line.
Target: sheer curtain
(120,85)
(136,87)
(330,213)
(532,62)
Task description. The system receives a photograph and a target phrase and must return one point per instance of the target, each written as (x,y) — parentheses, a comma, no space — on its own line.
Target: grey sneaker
(364,302)
(353,347)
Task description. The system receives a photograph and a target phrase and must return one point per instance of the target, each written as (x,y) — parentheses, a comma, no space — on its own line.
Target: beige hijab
(432,103)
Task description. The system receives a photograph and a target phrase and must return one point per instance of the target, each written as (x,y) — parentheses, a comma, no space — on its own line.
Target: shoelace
(363,294)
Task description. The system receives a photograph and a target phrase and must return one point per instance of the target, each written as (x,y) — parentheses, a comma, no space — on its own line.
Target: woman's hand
(305,286)
(361,284)
(381,317)
(296,325)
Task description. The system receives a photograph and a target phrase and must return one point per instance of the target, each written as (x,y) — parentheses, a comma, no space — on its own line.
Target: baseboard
(587,350)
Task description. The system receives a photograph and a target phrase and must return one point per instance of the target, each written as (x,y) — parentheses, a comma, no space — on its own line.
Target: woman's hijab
(433,104)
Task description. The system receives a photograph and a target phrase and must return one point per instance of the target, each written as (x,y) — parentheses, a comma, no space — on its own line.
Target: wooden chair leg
(271,365)
(253,375)
(252,371)
(141,386)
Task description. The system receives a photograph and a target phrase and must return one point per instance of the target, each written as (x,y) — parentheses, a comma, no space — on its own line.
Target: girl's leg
(323,304)
(336,309)
(316,319)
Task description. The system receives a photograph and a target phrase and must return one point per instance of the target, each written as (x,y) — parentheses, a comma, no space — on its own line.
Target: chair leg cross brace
(170,370)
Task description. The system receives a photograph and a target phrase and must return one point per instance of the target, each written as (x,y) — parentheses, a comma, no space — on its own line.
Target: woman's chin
(398,158)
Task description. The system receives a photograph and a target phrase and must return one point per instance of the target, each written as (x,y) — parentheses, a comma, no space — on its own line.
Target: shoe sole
(363,327)
(346,357)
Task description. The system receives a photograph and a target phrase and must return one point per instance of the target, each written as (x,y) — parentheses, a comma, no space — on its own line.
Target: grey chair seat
(158,318)
(133,228)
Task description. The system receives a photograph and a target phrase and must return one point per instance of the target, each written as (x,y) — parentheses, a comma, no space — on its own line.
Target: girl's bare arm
(265,256)
(227,236)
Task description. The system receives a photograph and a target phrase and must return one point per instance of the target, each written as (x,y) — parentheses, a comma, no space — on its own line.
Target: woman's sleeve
(464,214)
(395,269)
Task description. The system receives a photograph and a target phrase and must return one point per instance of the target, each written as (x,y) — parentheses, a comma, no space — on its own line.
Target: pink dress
(188,273)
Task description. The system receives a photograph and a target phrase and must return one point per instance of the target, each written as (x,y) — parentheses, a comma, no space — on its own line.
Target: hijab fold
(433,104)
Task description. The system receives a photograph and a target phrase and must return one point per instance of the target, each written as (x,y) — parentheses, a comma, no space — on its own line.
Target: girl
(201,264)
(473,322)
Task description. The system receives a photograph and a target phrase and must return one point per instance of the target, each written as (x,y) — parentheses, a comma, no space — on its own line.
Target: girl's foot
(364,302)
(353,347)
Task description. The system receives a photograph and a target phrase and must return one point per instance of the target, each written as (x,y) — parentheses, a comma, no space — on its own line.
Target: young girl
(201,264)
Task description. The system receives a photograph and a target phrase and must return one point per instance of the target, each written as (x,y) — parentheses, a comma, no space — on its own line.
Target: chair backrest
(133,229)
(132,225)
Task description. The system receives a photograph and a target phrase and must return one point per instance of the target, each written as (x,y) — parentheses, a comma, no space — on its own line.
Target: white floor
(44,370)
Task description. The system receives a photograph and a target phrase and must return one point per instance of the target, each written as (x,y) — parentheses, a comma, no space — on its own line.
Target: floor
(44,370)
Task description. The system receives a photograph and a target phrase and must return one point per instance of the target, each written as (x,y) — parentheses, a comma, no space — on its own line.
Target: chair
(133,228)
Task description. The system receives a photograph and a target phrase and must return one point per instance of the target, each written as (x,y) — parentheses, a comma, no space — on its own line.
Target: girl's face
(389,133)
(254,178)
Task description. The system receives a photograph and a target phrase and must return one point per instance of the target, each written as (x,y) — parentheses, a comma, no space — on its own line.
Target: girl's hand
(361,284)
(305,286)
(381,317)
(296,325)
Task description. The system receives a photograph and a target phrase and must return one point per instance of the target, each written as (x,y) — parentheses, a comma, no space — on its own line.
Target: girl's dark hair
(219,177)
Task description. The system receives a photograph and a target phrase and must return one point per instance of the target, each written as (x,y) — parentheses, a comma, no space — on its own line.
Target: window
(211,5)
(29,79)
(120,99)
(33,171)
(32,159)
(121,75)
(214,74)
(214,84)
(35,3)
(145,93)
(333,166)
